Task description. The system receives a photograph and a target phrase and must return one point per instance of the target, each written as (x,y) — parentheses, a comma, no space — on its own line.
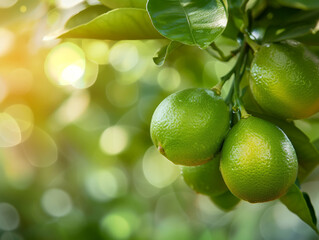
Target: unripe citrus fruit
(258,162)
(206,178)
(225,201)
(285,80)
(189,126)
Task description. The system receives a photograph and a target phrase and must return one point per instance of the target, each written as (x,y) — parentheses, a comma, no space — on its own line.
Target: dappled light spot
(9,217)
(67,4)
(96,51)
(10,134)
(114,140)
(72,108)
(124,56)
(65,64)
(72,73)
(23,8)
(89,77)
(169,79)
(40,149)
(120,224)
(103,185)
(6,40)
(56,202)
(24,118)
(7,4)
(159,171)
(117,226)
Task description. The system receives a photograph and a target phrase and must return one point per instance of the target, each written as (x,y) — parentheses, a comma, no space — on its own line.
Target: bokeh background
(76,158)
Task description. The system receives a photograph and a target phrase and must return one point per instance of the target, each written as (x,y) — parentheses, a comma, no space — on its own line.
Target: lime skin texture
(284,80)
(258,163)
(226,201)
(206,178)
(189,126)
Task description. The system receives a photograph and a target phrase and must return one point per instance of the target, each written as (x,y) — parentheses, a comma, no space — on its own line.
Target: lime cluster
(251,159)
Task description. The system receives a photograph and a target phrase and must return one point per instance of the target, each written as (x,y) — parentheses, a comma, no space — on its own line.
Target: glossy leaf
(308,155)
(164,52)
(289,32)
(288,23)
(118,24)
(124,3)
(85,16)
(301,4)
(300,204)
(190,22)
(226,201)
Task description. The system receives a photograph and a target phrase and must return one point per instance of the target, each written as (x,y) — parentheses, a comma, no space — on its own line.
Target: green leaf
(316,144)
(164,52)
(288,23)
(226,201)
(85,16)
(289,32)
(124,3)
(300,204)
(301,4)
(192,22)
(308,155)
(118,24)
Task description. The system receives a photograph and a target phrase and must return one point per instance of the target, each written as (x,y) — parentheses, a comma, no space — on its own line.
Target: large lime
(189,126)
(285,80)
(258,161)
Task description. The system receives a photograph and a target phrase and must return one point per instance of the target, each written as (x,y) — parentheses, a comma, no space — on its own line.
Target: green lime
(285,80)
(189,126)
(226,201)
(258,162)
(206,178)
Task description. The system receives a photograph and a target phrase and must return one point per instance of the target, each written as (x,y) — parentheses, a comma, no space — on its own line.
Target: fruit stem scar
(161,150)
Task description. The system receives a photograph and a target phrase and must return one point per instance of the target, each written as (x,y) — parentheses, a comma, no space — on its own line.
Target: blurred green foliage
(81,164)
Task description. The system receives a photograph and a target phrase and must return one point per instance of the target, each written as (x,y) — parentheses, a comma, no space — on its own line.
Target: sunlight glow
(71,74)
(114,140)
(6,40)
(169,79)
(105,184)
(96,50)
(67,4)
(72,108)
(10,134)
(65,64)
(56,202)
(7,4)
(159,171)
(124,56)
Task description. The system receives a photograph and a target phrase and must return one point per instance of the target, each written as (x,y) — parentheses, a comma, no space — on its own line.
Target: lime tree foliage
(240,142)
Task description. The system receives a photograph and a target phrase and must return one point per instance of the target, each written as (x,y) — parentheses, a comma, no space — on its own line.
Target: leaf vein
(189,23)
